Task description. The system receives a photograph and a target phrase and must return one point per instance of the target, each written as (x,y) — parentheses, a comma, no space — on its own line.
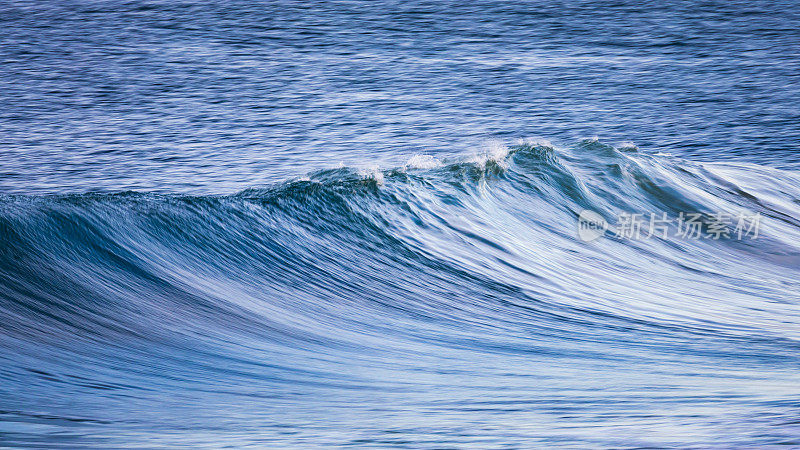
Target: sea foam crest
(420,161)
(372,173)
(495,151)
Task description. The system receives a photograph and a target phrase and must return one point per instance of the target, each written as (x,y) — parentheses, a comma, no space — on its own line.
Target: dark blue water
(299,224)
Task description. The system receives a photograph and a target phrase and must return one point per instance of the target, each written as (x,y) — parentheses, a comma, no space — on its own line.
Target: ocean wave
(394,282)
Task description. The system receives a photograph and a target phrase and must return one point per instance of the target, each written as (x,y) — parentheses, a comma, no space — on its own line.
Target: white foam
(372,173)
(495,151)
(419,161)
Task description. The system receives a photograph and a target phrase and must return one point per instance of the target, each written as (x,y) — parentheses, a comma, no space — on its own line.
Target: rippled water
(297,224)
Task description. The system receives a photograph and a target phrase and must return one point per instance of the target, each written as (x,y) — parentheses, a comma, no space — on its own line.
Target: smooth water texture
(300,224)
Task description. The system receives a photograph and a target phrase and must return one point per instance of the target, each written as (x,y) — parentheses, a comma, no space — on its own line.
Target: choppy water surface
(314,224)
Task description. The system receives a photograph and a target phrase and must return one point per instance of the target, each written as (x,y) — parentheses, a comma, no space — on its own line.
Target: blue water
(301,224)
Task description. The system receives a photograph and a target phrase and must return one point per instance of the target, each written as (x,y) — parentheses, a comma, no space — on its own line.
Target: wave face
(444,303)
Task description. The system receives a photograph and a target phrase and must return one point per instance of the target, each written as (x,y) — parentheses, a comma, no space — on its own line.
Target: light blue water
(297,224)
